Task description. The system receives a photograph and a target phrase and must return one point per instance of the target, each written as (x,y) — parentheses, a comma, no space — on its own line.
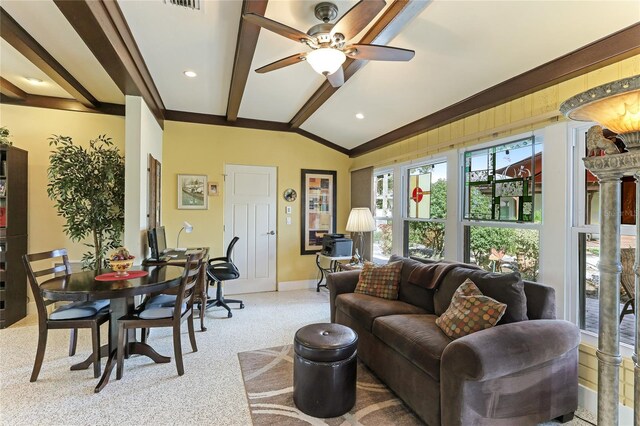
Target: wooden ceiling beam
(245,48)
(248,123)
(610,49)
(63,104)
(9,89)
(103,28)
(24,43)
(390,24)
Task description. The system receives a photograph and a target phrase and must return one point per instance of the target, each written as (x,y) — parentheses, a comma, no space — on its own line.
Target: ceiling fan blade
(373,52)
(357,18)
(281,63)
(337,78)
(276,27)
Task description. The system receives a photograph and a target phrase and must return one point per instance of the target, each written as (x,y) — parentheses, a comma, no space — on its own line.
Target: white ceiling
(462,48)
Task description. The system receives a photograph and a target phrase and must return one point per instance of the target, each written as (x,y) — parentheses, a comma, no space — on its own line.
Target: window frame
(405,219)
(577,136)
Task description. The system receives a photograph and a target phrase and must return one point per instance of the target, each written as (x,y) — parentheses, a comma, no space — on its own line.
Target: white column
(143,136)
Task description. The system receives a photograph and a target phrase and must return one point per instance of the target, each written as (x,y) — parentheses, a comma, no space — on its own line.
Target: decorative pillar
(636,348)
(608,352)
(616,106)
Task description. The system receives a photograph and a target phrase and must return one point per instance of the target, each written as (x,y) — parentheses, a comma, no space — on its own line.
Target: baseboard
(297,285)
(588,399)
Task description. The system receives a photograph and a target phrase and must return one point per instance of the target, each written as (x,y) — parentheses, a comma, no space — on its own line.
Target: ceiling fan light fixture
(326,60)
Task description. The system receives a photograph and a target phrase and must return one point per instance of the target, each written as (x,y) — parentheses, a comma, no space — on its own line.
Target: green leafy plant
(87,185)
(4,136)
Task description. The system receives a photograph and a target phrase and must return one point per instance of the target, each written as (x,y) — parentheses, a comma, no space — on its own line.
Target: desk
(333,267)
(82,286)
(179,258)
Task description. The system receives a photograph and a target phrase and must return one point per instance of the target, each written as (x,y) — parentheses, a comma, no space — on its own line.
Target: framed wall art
(213,188)
(318,208)
(192,190)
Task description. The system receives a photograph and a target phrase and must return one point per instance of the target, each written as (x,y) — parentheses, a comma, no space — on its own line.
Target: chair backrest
(628,277)
(35,274)
(190,276)
(230,248)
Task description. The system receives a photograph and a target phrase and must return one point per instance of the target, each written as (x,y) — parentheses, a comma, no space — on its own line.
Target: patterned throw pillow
(380,281)
(469,311)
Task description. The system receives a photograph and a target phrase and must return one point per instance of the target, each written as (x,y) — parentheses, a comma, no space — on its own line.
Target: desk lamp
(186,227)
(361,221)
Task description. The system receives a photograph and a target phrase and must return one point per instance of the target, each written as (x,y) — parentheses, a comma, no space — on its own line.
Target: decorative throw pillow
(469,311)
(380,281)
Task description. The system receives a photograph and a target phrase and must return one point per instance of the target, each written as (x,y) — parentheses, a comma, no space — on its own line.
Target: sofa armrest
(508,348)
(338,283)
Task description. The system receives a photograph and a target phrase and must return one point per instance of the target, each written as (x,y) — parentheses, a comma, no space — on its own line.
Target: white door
(250,214)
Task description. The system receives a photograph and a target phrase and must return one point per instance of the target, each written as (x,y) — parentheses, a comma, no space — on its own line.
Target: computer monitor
(157,242)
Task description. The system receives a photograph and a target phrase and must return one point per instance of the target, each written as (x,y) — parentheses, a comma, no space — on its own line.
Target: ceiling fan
(329,41)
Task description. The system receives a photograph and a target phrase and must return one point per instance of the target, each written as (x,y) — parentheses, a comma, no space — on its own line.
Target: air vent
(190,4)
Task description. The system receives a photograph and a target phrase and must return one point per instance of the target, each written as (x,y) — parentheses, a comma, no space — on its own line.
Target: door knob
(271,232)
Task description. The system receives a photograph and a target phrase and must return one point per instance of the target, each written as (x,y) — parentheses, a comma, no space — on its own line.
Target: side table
(324,270)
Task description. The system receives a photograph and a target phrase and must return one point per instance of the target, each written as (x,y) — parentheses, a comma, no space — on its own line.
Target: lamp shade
(188,228)
(360,220)
(326,60)
(614,105)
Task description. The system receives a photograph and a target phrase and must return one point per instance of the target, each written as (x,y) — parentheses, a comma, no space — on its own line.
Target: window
(503,184)
(586,232)
(426,195)
(589,284)
(383,213)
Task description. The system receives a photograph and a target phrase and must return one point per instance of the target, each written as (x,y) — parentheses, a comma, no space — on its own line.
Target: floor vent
(189,4)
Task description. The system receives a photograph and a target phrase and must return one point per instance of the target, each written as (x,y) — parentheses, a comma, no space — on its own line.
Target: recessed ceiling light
(34,80)
(190,74)
(359,116)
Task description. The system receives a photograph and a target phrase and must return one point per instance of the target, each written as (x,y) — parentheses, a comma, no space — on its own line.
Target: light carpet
(152,394)
(268,380)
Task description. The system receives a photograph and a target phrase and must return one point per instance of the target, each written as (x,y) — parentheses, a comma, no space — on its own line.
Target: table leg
(203,295)
(104,351)
(120,307)
(321,273)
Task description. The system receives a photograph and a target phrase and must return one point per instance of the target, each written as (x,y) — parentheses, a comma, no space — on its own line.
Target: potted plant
(87,185)
(4,136)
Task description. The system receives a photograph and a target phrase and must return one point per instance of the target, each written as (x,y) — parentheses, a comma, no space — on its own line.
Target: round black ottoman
(324,369)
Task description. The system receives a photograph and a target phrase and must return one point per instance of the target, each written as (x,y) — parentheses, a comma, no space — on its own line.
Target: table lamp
(361,221)
(186,227)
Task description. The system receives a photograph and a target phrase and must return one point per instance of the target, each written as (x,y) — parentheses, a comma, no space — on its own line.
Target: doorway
(250,214)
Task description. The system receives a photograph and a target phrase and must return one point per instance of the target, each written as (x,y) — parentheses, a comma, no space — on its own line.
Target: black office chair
(222,269)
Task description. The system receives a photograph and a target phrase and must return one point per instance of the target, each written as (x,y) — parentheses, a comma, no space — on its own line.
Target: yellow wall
(204,149)
(30,128)
(527,113)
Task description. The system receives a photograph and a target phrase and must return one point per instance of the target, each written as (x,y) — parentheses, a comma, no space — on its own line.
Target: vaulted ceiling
(470,55)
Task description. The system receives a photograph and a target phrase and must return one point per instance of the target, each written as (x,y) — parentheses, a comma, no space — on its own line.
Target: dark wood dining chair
(71,316)
(151,315)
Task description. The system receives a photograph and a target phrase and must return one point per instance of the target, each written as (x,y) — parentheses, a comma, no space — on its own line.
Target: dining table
(121,291)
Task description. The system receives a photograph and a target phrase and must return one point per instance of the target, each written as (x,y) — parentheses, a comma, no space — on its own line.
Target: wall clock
(289,194)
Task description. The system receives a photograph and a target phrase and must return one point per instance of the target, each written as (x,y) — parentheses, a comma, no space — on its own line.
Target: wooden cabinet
(13,234)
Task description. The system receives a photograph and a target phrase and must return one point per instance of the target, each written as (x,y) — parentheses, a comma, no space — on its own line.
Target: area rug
(268,380)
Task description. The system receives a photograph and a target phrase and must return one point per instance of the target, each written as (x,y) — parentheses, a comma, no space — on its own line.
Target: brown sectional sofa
(520,372)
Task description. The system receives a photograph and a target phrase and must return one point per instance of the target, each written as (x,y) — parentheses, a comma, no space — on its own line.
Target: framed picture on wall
(192,190)
(318,208)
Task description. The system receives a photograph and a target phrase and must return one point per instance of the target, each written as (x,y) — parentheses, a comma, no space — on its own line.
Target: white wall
(143,136)
(556,207)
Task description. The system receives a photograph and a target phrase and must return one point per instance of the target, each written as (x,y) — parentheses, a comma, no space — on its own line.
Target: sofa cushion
(505,288)
(415,337)
(364,308)
(380,281)
(469,311)
(410,293)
